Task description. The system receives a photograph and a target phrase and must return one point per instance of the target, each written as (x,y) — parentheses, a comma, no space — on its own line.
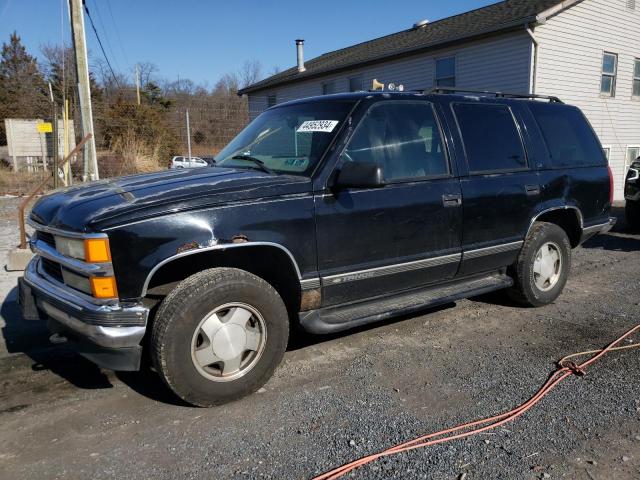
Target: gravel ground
(337,398)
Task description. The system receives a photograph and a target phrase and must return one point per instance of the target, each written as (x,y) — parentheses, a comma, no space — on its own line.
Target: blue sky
(202,40)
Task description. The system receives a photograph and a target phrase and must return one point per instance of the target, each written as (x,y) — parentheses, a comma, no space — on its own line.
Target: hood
(89,208)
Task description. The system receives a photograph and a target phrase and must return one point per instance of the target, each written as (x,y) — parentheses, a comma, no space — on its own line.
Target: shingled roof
(499,17)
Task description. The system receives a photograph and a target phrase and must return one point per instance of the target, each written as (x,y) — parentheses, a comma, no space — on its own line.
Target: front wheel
(218,336)
(543,266)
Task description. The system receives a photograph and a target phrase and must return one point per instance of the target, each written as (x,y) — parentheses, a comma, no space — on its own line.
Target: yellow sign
(44,127)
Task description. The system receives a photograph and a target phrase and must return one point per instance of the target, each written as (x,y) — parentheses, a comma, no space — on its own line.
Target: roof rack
(551,98)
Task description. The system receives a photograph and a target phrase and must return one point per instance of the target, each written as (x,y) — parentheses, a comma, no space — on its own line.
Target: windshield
(288,139)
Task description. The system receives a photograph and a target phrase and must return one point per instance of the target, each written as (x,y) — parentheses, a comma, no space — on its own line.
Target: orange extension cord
(566,368)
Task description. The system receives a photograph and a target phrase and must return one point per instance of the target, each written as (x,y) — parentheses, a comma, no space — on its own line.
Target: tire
(187,338)
(632,215)
(530,288)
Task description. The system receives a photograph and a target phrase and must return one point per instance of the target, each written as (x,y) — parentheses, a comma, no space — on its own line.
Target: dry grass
(19,183)
(135,155)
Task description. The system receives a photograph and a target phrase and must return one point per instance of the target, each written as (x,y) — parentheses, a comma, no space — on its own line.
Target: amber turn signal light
(96,250)
(103,287)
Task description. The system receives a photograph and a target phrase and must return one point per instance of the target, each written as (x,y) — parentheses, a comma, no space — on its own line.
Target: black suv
(632,194)
(324,214)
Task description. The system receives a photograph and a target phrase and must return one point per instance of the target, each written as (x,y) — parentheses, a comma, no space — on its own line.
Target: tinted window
(403,138)
(569,138)
(491,139)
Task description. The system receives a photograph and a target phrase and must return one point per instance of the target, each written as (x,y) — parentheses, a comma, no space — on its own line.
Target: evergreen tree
(23,91)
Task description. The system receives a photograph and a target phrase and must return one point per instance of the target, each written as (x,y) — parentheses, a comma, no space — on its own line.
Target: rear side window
(490,137)
(570,139)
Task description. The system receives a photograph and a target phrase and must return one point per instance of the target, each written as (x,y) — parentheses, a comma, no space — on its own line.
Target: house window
(609,73)
(446,72)
(328,88)
(633,153)
(271,100)
(355,84)
(636,77)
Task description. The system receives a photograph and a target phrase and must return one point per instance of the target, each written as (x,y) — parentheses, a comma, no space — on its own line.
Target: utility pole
(188,137)
(138,83)
(84,91)
(54,137)
(68,180)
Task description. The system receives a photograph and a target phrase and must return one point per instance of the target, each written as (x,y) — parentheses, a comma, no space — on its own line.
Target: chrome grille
(52,269)
(46,238)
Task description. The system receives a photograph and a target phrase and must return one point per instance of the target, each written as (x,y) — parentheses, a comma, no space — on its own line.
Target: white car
(183,162)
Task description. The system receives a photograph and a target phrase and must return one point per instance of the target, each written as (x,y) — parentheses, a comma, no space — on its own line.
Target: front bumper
(109,335)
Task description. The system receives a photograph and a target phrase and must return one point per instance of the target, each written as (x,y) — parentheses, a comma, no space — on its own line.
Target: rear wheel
(219,336)
(543,266)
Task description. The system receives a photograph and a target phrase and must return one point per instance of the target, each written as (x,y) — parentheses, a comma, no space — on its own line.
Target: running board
(335,319)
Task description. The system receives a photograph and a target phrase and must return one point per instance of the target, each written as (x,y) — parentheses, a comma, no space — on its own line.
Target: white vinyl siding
(501,63)
(571,49)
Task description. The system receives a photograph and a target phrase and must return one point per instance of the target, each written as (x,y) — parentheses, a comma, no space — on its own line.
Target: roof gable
(498,17)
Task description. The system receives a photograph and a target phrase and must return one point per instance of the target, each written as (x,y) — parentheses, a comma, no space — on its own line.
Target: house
(587,52)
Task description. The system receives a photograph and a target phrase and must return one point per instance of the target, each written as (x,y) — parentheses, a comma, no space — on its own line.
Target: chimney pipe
(300,51)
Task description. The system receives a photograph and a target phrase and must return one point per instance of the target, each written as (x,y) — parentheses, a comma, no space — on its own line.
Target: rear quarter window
(570,140)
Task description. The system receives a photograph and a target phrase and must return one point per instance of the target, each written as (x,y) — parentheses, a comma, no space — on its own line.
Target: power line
(115,28)
(86,9)
(107,40)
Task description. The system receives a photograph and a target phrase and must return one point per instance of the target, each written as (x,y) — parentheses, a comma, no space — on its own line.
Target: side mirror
(360,175)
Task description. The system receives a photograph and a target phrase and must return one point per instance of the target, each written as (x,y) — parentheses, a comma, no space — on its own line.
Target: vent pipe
(300,51)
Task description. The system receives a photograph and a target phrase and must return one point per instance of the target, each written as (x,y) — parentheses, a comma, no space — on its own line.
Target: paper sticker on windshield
(318,126)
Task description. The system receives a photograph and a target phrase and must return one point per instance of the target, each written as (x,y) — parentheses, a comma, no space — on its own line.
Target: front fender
(139,249)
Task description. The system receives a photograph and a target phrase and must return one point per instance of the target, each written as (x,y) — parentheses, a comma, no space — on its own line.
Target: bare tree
(148,72)
(250,73)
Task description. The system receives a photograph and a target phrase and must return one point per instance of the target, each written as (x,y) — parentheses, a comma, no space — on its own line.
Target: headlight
(70,247)
(91,250)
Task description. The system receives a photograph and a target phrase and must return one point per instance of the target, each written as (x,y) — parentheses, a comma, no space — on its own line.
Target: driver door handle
(452,200)
(532,189)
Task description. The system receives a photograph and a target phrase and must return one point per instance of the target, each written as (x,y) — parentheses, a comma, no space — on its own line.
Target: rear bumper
(109,335)
(588,232)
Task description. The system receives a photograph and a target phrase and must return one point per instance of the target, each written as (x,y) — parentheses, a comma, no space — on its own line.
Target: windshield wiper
(256,161)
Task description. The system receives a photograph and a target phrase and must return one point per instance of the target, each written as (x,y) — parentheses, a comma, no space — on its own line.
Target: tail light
(610,184)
